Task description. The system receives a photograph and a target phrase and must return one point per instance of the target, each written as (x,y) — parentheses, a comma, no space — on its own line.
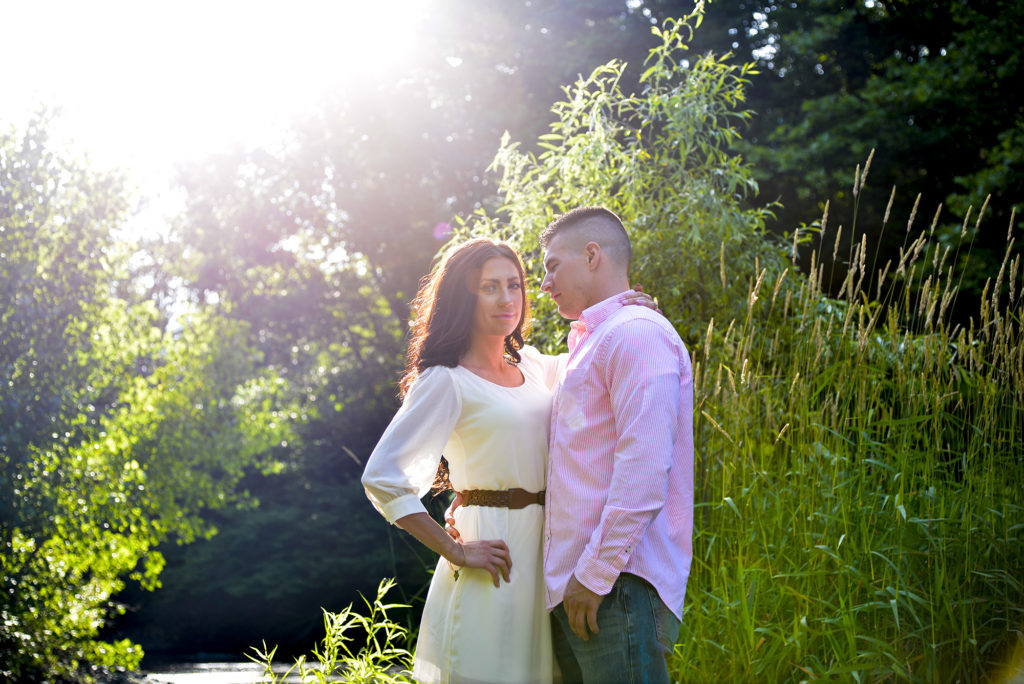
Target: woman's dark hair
(443,311)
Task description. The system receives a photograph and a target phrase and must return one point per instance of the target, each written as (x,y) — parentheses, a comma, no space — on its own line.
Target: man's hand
(449,518)
(581,605)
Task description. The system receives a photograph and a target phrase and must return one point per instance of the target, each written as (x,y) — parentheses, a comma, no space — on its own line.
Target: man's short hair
(593,224)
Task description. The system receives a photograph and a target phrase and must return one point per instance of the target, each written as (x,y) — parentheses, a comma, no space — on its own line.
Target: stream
(212,673)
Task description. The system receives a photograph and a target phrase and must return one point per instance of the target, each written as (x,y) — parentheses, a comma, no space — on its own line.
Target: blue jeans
(637,634)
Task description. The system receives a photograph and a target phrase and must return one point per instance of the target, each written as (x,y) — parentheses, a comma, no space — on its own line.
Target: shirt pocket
(572,399)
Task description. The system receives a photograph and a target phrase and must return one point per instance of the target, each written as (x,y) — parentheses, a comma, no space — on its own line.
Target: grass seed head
(867,167)
(935,220)
(824,221)
(984,206)
(721,262)
(888,208)
(913,213)
(881,278)
(1014,267)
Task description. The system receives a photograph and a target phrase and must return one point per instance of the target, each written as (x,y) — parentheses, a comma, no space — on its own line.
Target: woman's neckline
(491,382)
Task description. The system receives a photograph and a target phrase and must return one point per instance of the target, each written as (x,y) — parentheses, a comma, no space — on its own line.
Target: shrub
(859,457)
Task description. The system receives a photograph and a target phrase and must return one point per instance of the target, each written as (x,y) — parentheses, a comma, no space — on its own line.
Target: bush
(116,431)
(860,457)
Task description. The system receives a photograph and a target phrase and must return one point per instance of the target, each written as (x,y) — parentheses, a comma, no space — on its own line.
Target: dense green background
(128,429)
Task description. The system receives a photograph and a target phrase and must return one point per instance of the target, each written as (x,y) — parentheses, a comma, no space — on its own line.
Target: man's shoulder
(638,332)
(639,318)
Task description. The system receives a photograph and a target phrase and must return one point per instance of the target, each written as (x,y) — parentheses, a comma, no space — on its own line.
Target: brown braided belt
(502,498)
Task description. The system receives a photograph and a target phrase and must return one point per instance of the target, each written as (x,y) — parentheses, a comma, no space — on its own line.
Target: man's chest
(582,404)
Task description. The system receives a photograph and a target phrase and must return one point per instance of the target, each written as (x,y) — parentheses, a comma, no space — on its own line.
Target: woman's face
(499,298)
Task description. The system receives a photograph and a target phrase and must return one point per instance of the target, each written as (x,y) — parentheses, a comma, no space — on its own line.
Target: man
(619,505)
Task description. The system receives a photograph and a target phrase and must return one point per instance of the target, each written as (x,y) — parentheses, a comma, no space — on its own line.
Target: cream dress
(493,437)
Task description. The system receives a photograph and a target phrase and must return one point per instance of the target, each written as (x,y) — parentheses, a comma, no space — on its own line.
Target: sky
(143,85)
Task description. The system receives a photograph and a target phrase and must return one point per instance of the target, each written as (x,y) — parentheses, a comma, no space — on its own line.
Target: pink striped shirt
(620,468)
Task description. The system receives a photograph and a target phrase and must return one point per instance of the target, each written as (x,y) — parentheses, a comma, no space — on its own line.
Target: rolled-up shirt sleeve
(402,466)
(642,373)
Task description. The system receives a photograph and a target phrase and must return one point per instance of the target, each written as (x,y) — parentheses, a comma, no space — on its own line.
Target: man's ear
(592,251)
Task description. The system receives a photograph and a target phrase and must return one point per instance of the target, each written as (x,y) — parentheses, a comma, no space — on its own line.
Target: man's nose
(545,286)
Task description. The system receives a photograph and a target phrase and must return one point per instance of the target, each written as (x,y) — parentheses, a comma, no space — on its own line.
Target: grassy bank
(860,467)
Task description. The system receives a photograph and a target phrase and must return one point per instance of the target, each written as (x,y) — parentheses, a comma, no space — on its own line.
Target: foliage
(317,245)
(859,464)
(116,433)
(384,657)
(308,544)
(860,509)
(663,160)
(891,431)
(931,86)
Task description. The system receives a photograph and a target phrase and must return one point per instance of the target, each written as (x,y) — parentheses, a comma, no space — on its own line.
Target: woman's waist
(532,514)
(516,527)
(463,481)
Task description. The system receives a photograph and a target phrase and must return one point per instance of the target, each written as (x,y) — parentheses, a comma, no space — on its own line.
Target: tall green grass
(860,473)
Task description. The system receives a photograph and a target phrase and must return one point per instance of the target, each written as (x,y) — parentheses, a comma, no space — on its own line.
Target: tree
(837,447)
(930,86)
(664,160)
(317,246)
(116,433)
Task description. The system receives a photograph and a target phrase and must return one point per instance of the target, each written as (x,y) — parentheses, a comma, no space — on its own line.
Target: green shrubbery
(859,458)
(114,432)
(860,468)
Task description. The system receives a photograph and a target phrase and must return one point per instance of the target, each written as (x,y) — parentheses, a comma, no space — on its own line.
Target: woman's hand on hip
(449,517)
(491,555)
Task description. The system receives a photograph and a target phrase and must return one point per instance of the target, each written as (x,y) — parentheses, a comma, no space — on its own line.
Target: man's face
(566,275)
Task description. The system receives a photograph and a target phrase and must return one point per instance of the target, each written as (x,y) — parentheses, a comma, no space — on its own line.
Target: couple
(590,574)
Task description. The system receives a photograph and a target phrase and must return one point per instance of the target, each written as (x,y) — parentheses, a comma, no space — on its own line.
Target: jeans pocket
(666,624)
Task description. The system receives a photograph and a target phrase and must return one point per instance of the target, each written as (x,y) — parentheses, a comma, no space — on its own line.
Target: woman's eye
(488,289)
(515,286)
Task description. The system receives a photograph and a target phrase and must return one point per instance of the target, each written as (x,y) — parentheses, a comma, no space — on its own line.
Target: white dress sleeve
(551,367)
(402,466)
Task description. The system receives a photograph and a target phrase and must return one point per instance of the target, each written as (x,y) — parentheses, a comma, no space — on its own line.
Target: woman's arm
(491,555)
(402,466)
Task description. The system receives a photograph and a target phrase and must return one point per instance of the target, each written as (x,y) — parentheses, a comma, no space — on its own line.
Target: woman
(475,393)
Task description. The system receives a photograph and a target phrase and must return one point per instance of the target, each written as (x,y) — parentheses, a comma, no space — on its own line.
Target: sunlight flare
(142,85)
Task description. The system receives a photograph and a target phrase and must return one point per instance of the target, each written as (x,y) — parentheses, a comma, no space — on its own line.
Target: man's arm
(642,372)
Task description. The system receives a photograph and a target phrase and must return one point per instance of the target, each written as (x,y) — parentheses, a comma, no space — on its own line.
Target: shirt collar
(595,315)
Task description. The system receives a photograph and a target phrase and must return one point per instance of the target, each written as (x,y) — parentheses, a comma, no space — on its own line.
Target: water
(212,673)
